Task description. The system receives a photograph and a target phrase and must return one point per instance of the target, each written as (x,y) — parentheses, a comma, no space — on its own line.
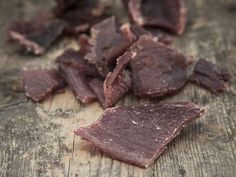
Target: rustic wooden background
(38,140)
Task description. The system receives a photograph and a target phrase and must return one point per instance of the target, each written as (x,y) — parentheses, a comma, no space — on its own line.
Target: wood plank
(38,139)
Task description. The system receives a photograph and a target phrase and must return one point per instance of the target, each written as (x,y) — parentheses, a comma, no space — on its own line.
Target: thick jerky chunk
(77,82)
(157,70)
(167,14)
(139,134)
(210,76)
(96,86)
(76,59)
(161,36)
(37,38)
(118,82)
(40,83)
(108,43)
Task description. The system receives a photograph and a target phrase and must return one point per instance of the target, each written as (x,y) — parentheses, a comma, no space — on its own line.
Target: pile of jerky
(114,59)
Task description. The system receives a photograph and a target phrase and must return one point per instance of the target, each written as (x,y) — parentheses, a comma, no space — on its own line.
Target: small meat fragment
(108,43)
(40,83)
(210,76)
(157,70)
(96,86)
(77,82)
(76,59)
(37,35)
(118,82)
(83,42)
(62,5)
(161,36)
(139,134)
(82,15)
(167,14)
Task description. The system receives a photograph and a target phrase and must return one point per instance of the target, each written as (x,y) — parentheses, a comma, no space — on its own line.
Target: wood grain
(38,139)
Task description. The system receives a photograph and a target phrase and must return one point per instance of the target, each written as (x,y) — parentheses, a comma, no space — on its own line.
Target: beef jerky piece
(139,134)
(118,82)
(157,69)
(161,36)
(62,5)
(40,83)
(83,41)
(96,86)
(82,16)
(108,43)
(40,37)
(77,82)
(76,59)
(210,76)
(167,14)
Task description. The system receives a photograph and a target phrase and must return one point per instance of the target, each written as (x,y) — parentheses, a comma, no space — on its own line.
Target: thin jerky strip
(157,69)
(210,76)
(77,82)
(40,83)
(139,134)
(167,14)
(118,82)
(96,85)
(40,37)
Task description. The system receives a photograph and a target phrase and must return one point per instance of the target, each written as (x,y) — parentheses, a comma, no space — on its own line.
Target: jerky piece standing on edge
(76,59)
(118,82)
(167,14)
(38,38)
(40,83)
(139,134)
(157,69)
(210,76)
(108,43)
(96,86)
(77,82)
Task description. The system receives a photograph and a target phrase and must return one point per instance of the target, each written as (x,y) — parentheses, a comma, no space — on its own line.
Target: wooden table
(38,140)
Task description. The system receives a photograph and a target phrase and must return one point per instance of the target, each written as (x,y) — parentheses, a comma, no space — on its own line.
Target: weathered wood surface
(38,140)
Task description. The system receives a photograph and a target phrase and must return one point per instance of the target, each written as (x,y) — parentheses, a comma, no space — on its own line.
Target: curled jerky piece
(77,82)
(167,14)
(210,76)
(108,43)
(139,134)
(40,83)
(118,82)
(96,85)
(157,69)
(37,35)
(76,59)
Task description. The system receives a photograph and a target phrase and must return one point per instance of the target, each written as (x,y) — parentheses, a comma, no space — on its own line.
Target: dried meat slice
(78,83)
(139,134)
(76,59)
(81,16)
(167,14)
(37,38)
(40,83)
(118,82)
(210,76)
(96,85)
(108,43)
(157,69)
(161,36)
